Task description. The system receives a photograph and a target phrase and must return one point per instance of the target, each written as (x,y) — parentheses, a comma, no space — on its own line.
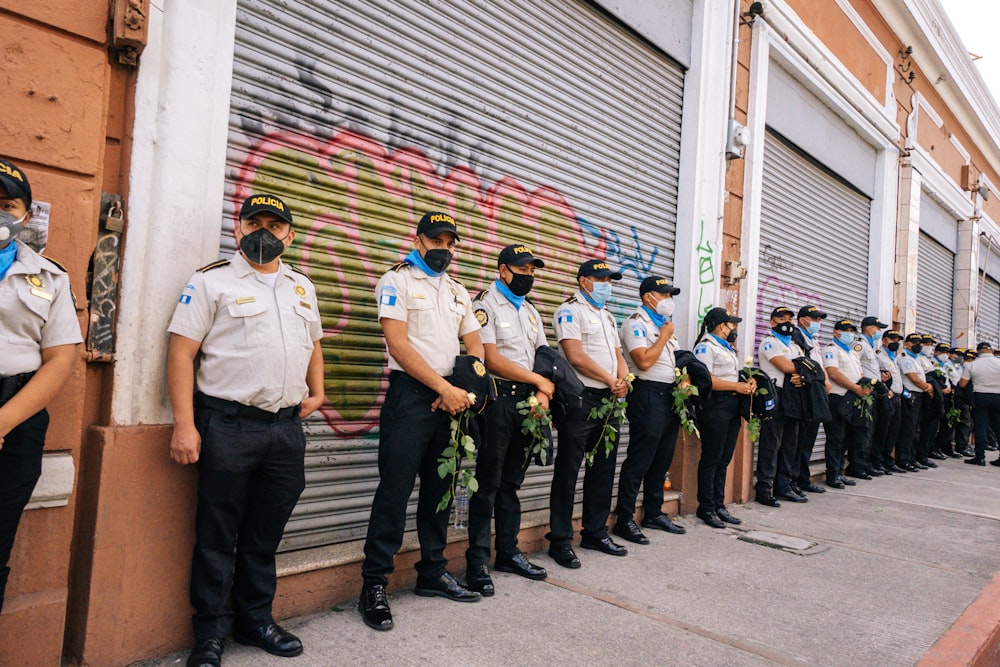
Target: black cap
(597,268)
(518,255)
(265,203)
(15,182)
(781,311)
(873,321)
(983,345)
(892,333)
(658,284)
(914,338)
(434,223)
(719,315)
(942,347)
(844,325)
(927,338)
(811,311)
(970,355)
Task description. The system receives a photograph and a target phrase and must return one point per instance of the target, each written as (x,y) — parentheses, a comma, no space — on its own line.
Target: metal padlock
(114,221)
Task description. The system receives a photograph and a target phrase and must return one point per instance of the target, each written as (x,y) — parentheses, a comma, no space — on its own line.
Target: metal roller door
(814,237)
(935,288)
(544,122)
(988,312)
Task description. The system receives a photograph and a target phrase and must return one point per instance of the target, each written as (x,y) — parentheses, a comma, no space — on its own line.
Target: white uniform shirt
(815,352)
(889,366)
(721,359)
(984,372)
(595,328)
(954,371)
(866,355)
(908,363)
(256,340)
(36,311)
(771,347)
(437,311)
(517,333)
(846,361)
(639,331)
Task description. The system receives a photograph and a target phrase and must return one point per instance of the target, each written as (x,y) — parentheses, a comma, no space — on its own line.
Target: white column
(907,238)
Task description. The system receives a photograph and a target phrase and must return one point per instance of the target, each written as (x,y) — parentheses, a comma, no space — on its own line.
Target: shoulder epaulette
(481,294)
(530,302)
(297,270)
(397,266)
(633,316)
(572,299)
(213,265)
(57,264)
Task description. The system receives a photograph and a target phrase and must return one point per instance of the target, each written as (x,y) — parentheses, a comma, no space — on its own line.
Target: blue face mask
(877,336)
(599,293)
(845,337)
(813,328)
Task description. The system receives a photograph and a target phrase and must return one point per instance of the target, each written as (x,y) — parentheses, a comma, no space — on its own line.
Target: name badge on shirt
(40,293)
(419,295)
(531,318)
(503,325)
(245,299)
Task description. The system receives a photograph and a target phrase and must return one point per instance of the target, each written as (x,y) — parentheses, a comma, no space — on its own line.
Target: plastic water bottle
(666,483)
(460,508)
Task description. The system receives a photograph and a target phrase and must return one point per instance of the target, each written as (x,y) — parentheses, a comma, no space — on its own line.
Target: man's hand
(796,380)
(185,444)
(619,389)
(543,403)
(545,387)
(452,400)
(667,330)
(930,390)
(310,404)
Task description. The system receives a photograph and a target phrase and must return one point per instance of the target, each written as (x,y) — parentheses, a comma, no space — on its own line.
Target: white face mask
(927,350)
(665,308)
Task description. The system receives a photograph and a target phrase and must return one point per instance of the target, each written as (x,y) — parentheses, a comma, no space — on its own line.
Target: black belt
(246,411)
(11,384)
(727,393)
(507,388)
(591,391)
(655,384)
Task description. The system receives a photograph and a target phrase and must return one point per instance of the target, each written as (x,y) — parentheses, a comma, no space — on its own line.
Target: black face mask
(520,283)
(915,348)
(731,338)
(261,247)
(783,329)
(437,259)
(893,346)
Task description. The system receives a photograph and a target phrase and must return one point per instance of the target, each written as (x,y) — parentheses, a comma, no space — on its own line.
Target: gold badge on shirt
(37,287)
(531,318)
(300,290)
(478,367)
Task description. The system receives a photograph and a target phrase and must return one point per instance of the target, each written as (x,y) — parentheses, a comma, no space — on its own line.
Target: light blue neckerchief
(517,301)
(416,260)
(7,257)
(658,320)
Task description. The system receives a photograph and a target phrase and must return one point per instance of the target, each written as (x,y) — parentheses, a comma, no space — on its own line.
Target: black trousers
(720,426)
(808,431)
(908,424)
(577,435)
(411,439)
(945,440)
(250,475)
(652,438)
(500,467)
(985,416)
(776,452)
(963,429)
(886,432)
(20,468)
(845,432)
(929,422)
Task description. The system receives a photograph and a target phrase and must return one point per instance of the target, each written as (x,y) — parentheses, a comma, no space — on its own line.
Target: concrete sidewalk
(872,575)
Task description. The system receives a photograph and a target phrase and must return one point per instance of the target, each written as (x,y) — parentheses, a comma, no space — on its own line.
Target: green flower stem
(450,462)
(536,418)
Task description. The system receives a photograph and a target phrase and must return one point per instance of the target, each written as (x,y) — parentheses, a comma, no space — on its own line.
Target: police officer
(984,373)
(865,346)
(648,337)
(588,335)
(423,313)
(915,389)
(721,420)
(244,367)
(930,416)
(946,358)
(844,432)
(963,430)
(778,435)
(41,333)
(887,421)
(810,320)
(511,332)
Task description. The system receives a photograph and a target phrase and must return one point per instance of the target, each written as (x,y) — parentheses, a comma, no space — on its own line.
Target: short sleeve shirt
(517,332)
(437,311)
(889,366)
(866,355)
(640,332)
(595,328)
(846,361)
(37,311)
(256,338)
(771,347)
(815,352)
(984,371)
(722,360)
(909,364)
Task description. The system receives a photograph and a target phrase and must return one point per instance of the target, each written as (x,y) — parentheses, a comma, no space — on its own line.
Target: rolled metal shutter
(988,312)
(814,237)
(935,288)
(543,122)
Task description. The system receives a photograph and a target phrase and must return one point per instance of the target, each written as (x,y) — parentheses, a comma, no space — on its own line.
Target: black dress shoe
(995,462)
(895,468)
(812,487)
(711,518)
(966,452)
(927,463)
(834,482)
(477,578)
(767,499)
(791,496)
(952,454)
(857,475)
(847,482)
(876,472)
(724,514)
(976,462)
(272,638)
(445,586)
(519,565)
(939,456)
(990,448)
(663,522)
(374,607)
(913,467)
(628,530)
(920,466)
(207,654)
(564,555)
(603,544)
